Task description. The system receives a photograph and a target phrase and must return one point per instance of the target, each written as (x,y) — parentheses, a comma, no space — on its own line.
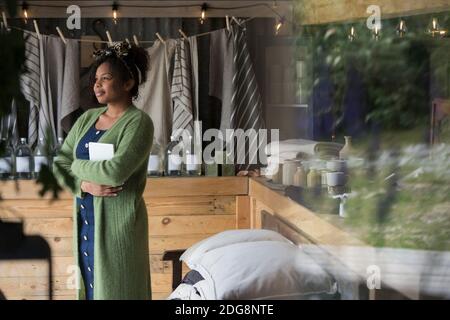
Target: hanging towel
(194,74)
(70,100)
(154,94)
(194,83)
(221,72)
(30,85)
(52,67)
(246,98)
(9,129)
(181,90)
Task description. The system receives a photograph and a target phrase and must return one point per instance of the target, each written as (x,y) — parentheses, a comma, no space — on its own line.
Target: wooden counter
(182,211)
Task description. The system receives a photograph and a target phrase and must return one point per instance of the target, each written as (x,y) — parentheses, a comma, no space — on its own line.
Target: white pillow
(225,238)
(261,270)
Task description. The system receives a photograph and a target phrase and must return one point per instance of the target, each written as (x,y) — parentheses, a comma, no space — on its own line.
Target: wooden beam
(328,11)
(155,187)
(168,9)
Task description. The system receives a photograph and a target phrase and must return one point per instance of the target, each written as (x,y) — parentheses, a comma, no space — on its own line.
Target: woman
(110,216)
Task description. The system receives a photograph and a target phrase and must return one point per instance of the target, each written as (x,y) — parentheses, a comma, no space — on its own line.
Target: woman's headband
(119,50)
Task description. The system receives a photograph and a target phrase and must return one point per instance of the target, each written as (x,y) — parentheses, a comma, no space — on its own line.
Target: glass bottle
(314,179)
(191,161)
(154,168)
(346,149)
(300,177)
(212,169)
(6,161)
(57,148)
(40,157)
(173,159)
(227,165)
(24,160)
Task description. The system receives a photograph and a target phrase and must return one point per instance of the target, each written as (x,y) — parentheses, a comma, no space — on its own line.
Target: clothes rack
(140,41)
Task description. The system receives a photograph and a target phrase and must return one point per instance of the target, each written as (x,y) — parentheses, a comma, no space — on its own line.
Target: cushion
(225,238)
(261,270)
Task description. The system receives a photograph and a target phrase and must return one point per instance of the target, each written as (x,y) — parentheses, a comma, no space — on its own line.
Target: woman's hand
(100,190)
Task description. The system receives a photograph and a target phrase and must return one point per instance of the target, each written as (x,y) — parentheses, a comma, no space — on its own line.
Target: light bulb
(401,28)
(279,25)
(115,9)
(25,11)
(203,14)
(376,32)
(352,34)
(434,28)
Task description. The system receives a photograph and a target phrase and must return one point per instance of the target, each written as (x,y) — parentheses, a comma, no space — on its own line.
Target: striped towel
(181,93)
(246,99)
(29,83)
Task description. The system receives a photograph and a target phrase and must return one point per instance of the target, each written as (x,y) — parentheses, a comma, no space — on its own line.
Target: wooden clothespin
(5,22)
(36,28)
(227,20)
(61,35)
(236,20)
(135,39)
(182,34)
(160,38)
(109,38)
(128,41)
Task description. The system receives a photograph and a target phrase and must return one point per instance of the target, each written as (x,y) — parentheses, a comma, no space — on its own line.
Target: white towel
(292,145)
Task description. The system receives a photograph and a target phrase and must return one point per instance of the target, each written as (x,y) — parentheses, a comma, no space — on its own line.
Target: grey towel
(194,74)
(52,67)
(221,72)
(154,94)
(70,100)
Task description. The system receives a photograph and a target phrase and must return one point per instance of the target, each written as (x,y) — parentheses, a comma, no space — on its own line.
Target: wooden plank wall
(182,211)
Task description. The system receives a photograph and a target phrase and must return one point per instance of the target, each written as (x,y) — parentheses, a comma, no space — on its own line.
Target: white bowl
(337,165)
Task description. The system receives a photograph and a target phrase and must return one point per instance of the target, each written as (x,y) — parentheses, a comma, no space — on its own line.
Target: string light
(376,32)
(115,8)
(279,24)
(25,11)
(203,14)
(435,29)
(401,28)
(352,34)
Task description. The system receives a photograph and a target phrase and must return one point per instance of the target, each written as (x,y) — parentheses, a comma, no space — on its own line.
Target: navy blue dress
(86,218)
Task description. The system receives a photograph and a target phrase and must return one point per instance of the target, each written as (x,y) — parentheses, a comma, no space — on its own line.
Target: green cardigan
(121,255)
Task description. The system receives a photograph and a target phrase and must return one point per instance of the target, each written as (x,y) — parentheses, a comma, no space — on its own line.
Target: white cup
(335,179)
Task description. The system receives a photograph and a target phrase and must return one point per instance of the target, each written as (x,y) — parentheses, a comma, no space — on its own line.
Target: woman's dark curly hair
(126,62)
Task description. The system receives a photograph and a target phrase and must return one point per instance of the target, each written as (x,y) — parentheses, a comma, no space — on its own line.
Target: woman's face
(107,87)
